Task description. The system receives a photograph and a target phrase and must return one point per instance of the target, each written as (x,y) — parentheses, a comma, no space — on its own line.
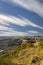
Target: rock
(35,60)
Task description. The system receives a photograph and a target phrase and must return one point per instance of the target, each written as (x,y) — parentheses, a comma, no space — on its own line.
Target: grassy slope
(26,54)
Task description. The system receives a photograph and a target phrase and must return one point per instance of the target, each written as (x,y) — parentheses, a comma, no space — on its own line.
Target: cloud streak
(33,32)
(22,22)
(33,5)
(5,20)
(30,14)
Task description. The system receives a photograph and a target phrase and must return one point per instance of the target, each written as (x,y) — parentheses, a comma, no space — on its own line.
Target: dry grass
(26,54)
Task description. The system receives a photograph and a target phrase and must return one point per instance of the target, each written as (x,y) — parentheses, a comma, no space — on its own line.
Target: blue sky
(21,17)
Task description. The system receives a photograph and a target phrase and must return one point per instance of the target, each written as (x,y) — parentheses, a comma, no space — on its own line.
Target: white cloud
(32,5)
(33,32)
(5,20)
(4,27)
(31,23)
(10,19)
(15,33)
(22,22)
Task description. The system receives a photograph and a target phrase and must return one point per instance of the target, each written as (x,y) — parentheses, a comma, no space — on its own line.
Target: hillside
(28,53)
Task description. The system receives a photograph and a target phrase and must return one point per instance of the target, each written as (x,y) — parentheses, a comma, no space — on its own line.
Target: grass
(6,59)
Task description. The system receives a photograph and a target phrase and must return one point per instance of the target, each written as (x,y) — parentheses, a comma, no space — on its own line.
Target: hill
(26,53)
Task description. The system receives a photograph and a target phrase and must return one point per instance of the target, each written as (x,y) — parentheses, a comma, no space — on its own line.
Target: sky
(21,17)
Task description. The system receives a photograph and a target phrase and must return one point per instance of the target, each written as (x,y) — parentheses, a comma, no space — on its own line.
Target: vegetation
(24,54)
(41,43)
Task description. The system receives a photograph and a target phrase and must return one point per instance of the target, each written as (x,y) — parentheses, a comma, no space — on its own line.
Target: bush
(26,45)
